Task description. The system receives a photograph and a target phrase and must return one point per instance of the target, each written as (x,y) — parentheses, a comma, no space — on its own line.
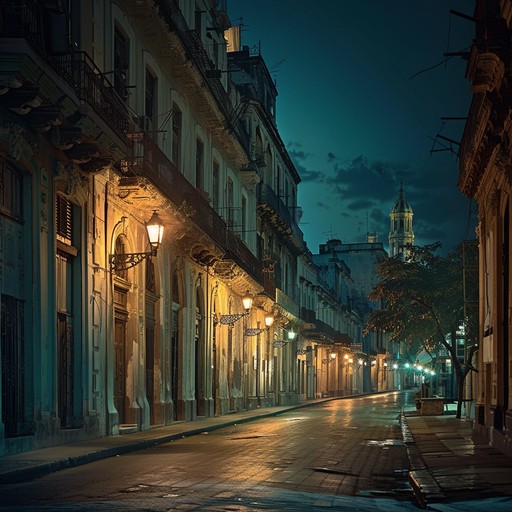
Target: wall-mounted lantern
(155,231)
(254,331)
(231,319)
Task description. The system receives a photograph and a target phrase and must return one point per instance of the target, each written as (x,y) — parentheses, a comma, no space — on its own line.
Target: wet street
(342,454)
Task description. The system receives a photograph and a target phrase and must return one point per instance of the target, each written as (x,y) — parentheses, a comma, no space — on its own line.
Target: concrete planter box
(432,406)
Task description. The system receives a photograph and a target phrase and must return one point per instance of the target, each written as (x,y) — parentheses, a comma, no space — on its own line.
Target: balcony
(170,12)
(278,214)
(26,54)
(319,331)
(471,148)
(193,207)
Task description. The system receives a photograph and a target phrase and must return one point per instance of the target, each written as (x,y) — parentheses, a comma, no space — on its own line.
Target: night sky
(363,87)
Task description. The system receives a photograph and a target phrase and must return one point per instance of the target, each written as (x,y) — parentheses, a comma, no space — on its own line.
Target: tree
(422,298)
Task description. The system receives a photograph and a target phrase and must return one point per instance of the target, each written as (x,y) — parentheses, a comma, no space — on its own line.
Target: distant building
(361,260)
(401,233)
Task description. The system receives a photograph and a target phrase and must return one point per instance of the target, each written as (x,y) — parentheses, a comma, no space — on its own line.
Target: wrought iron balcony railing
(31,20)
(160,171)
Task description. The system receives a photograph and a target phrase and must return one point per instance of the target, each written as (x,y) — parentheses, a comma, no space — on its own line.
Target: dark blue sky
(358,107)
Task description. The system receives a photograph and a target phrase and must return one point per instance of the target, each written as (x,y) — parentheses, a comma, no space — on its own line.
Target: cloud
(361,204)
(299,159)
(361,179)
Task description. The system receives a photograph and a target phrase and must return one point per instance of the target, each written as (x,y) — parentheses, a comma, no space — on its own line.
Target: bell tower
(401,233)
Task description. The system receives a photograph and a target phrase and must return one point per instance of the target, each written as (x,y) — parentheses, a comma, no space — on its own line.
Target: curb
(424,486)
(38,469)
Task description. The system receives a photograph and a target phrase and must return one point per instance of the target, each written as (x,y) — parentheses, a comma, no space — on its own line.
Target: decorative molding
(494,202)
(488,73)
(44,212)
(71,182)
(19,145)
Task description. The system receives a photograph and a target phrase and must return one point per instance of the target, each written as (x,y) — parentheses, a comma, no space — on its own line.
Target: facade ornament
(44,210)
(494,202)
(70,181)
(19,145)
(250,175)
(488,73)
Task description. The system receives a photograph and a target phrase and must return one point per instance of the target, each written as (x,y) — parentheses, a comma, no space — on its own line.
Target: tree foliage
(423,298)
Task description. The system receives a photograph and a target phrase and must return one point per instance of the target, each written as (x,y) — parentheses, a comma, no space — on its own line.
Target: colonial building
(485,162)
(401,233)
(120,121)
(328,330)
(360,260)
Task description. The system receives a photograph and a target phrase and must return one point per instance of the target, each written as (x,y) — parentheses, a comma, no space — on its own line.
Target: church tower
(401,232)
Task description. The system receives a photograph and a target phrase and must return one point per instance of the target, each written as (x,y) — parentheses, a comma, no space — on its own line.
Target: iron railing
(30,20)
(163,173)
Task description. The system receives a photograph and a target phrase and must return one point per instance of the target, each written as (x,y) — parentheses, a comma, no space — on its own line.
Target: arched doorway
(175,347)
(121,288)
(152,386)
(215,372)
(199,353)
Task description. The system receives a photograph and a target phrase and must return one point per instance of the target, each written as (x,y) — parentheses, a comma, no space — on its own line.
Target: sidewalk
(35,463)
(449,463)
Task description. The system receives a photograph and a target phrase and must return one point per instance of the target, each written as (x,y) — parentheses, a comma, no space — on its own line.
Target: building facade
(372,351)
(113,112)
(485,163)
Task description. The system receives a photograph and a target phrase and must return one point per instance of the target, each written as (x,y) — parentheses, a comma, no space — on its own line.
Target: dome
(401,205)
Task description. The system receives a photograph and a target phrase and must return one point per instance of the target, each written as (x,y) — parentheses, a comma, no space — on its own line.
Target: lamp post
(155,231)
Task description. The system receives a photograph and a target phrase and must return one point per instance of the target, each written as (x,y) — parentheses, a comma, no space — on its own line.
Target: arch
(215,350)
(199,349)
(177,290)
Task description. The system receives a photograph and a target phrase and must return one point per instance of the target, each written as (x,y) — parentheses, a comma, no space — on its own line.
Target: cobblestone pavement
(264,460)
(342,454)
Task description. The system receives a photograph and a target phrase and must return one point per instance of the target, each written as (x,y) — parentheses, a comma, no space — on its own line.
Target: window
(215,185)
(150,99)
(10,191)
(199,164)
(63,220)
(198,19)
(67,295)
(121,62)
(176,136)
(229,193)
(120,248)
(244,215)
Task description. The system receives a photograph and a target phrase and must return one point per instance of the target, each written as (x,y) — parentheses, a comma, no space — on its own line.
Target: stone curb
(36,469)
(424,486)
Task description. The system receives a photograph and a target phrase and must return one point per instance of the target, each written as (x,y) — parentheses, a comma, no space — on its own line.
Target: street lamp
(232,318)
(291,334)
(254,331)
(124,261)
(330,359)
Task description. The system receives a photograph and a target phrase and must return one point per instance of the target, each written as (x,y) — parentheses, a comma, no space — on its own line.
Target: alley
(326,455)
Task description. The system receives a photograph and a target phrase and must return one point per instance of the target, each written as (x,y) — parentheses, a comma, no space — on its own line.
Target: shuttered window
(64,220)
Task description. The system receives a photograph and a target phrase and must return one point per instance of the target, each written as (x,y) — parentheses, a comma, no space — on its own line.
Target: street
(342,454)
